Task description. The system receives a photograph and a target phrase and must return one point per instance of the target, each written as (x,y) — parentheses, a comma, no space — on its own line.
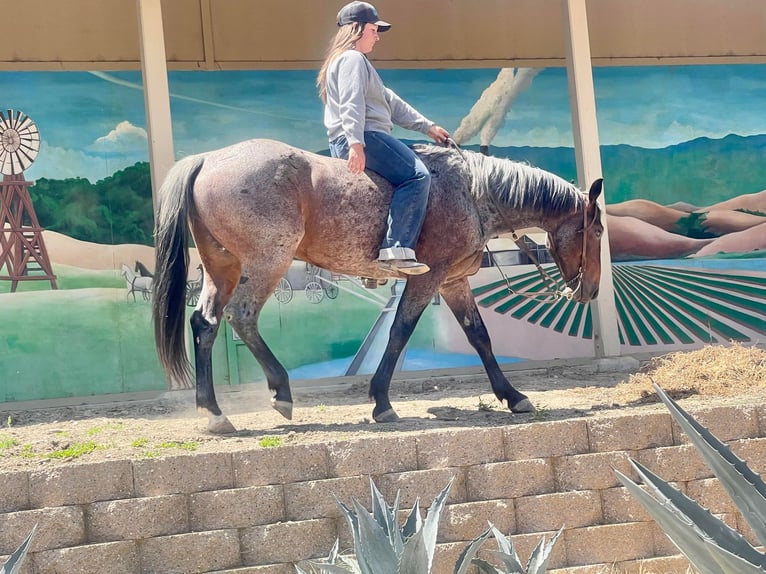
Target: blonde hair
(344,39)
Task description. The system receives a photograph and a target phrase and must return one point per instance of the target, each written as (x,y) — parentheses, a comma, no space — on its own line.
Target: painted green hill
(701,171)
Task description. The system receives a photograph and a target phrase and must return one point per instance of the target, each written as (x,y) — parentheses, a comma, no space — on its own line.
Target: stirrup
(372,282)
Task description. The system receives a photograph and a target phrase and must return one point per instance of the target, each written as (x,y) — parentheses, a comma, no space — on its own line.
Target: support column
(156,93)
(588,155)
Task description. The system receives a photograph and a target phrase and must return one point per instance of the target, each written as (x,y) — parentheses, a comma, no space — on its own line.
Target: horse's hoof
(219,424)
(388,416)
(523,406)
(284,408)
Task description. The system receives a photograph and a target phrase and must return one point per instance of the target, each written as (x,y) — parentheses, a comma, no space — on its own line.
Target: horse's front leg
(457,294)
(417,294)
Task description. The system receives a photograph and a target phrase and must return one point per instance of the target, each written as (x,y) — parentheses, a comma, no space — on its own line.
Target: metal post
(588,155)
(156,93)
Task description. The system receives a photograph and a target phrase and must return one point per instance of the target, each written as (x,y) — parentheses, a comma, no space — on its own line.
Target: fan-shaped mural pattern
(655,305)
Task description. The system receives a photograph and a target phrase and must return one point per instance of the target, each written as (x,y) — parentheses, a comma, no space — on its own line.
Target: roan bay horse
(254,206)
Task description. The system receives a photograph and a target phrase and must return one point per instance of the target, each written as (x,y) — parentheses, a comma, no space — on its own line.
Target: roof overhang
(275,34)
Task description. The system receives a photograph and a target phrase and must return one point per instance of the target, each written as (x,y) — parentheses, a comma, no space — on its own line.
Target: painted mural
(685,185)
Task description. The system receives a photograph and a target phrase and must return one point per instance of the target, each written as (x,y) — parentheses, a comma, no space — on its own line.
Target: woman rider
(359,114)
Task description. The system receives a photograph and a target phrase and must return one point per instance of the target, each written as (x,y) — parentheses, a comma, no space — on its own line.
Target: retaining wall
(258,511)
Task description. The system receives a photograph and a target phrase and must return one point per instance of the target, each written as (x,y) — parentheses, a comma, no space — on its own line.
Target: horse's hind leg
(457,294)
(219,283)
(243,312)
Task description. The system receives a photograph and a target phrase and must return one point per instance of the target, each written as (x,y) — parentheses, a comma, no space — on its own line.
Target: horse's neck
(131,276)
(503,218)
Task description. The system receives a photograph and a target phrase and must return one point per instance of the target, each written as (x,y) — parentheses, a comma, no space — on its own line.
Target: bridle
(556,292)
(568,290)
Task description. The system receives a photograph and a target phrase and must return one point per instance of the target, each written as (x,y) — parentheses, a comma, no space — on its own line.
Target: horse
(254,206)
(136,283)
(141,269)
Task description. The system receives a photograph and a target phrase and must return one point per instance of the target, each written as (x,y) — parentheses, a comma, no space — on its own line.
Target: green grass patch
(270,441)
(99,429)
(75,450)
(157,449)
(7,443)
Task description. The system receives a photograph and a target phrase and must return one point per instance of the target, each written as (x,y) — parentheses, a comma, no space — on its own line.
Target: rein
(556,293)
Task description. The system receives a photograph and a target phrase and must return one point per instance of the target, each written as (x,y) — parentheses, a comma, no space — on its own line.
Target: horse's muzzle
(583,295)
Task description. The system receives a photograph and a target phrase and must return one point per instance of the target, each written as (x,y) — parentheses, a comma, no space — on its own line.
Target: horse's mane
(515,184)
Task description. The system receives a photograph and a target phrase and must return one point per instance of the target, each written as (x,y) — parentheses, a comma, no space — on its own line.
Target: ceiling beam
(273,34)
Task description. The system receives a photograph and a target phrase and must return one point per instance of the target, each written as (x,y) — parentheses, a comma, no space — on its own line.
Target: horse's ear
(595,190)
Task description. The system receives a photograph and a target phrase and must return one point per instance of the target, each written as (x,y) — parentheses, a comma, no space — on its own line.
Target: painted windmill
(23,256)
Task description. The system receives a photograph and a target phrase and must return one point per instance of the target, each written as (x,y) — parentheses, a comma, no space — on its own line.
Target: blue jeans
(390,158)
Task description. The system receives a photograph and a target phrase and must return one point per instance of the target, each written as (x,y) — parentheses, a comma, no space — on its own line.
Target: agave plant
(710,545)
(381,546)
(506,553)
(13,564)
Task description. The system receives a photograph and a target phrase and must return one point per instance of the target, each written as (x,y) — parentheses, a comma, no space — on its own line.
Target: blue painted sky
(93,124)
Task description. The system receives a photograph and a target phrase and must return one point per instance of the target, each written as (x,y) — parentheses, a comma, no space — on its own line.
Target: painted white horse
(137,283)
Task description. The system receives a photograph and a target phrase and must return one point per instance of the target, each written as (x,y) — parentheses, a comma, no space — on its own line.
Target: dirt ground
(167,424)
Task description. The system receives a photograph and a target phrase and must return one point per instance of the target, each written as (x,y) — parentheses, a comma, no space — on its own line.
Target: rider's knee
(422,173)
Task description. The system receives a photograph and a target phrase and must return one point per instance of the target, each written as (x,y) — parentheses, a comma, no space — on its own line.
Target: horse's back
(265,191)
(258,154)
(251,176)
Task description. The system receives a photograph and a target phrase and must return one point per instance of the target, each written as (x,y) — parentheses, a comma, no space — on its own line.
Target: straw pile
(714,370)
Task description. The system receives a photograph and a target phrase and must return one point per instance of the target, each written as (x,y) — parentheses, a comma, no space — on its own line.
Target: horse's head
(575,245)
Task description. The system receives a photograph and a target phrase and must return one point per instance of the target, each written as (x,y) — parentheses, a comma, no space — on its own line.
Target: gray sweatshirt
(357,101)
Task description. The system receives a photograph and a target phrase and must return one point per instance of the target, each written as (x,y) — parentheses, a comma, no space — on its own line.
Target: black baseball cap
(362,12)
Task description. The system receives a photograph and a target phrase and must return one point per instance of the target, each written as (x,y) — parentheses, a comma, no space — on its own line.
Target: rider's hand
(438,134)
(356,158)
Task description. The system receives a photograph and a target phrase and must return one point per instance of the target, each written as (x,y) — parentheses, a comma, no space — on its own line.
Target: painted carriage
(315,282)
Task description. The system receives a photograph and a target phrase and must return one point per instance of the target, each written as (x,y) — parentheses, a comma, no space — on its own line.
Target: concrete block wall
(257,511)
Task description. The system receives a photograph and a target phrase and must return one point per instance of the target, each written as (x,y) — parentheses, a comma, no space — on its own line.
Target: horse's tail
(171,241)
